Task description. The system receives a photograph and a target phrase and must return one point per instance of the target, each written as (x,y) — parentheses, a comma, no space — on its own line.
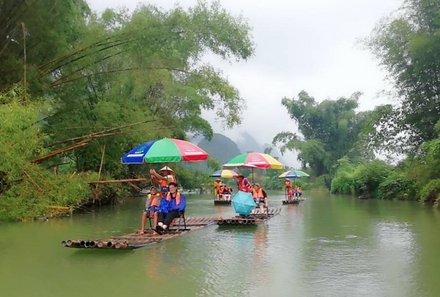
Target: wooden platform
(134,240)
(252,219)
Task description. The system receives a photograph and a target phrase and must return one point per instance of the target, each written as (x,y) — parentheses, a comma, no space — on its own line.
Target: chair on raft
(180,220)
(177,222)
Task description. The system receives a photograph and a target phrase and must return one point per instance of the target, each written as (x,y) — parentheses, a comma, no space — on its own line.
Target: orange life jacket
(257,194)
(243,187)
(168,179)
(154,199)
(288,184)
(177,197)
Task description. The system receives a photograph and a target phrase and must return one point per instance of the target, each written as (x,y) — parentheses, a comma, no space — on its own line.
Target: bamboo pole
(114,181)
(24,63)
(102,161)
(60,151)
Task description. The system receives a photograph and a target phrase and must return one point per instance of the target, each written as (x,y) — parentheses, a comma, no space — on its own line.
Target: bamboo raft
(295,201)
(134,240)
(222,202)
(253,219)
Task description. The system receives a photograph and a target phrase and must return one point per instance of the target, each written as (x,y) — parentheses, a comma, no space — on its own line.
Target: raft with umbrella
(294,174)
(244,206)
(252,219)
(224,199)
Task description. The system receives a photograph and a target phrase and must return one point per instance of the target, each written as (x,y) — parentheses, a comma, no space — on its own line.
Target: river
(326,246)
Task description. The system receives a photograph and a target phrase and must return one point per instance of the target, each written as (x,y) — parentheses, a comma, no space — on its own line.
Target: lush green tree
(33,33)
(328,130)
(408,46)
(27,190)
(147,66)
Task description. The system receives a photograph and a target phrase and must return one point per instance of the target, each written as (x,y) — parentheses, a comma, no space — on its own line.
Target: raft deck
(295,201)
(221,202)
(134,240)
(252,219)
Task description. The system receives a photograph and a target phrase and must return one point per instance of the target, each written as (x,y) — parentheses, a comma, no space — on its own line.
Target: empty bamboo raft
(134,240)
(252,219)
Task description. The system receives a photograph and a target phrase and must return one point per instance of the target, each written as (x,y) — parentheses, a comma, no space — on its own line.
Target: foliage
(27,190)
(431,191)
(368,177)
(408,46)
(146,68)
(24,31)
(344,181)
(397,186)
(330,130)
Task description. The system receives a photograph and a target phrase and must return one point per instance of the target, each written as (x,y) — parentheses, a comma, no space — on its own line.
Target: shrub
(431,192)
(397,188)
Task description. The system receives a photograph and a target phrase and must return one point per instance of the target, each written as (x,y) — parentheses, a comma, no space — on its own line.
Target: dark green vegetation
(105,84)
(340,145)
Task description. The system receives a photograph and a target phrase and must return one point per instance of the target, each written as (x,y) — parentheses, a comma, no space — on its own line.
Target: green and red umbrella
(254,160)
(165,150)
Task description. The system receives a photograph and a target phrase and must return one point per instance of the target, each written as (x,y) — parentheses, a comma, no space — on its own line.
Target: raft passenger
(243,183)
(152,203)
(172,204)
(165,177)
(260,197)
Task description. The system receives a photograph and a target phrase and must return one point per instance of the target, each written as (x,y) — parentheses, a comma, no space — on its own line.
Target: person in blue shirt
(172,204)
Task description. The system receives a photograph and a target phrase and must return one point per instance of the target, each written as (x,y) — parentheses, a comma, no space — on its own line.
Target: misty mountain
(220,147)
(248,144)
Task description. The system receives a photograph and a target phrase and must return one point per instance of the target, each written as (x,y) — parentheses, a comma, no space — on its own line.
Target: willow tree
(328,130)
(408,46)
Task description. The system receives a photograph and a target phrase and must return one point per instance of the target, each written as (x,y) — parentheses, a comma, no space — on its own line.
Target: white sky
(310,45)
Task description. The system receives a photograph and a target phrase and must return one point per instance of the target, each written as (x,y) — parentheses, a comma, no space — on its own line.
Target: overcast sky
(310,45)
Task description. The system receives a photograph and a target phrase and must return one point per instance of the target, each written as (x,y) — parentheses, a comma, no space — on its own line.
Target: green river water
(326,246)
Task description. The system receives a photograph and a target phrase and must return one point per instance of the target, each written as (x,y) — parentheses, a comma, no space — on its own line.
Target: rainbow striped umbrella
(164,150)
(293,174)
(254,160)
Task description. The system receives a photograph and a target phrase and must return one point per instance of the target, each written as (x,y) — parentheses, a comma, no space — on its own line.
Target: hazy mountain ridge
(224,148)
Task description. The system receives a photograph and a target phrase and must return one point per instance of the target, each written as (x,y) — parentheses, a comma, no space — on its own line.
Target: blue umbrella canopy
(243,203)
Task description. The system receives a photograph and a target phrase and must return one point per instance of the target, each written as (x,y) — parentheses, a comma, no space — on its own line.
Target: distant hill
(247,143)
(220,147)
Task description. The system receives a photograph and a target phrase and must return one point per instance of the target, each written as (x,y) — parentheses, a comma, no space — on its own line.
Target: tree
(329,130)
(148,65)
(408,46)
(29,43)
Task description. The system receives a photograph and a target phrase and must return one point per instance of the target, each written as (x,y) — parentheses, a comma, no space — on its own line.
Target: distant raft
(134,240)
(253,219)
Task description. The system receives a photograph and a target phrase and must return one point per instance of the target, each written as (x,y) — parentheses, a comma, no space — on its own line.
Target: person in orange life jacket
(260,197)
(287,184)
(151,207)
(243,183)
(290,194)
(217,186)
(172,203)
(165,177)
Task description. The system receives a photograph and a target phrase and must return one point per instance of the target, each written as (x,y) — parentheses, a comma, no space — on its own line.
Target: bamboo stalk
(113,181)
